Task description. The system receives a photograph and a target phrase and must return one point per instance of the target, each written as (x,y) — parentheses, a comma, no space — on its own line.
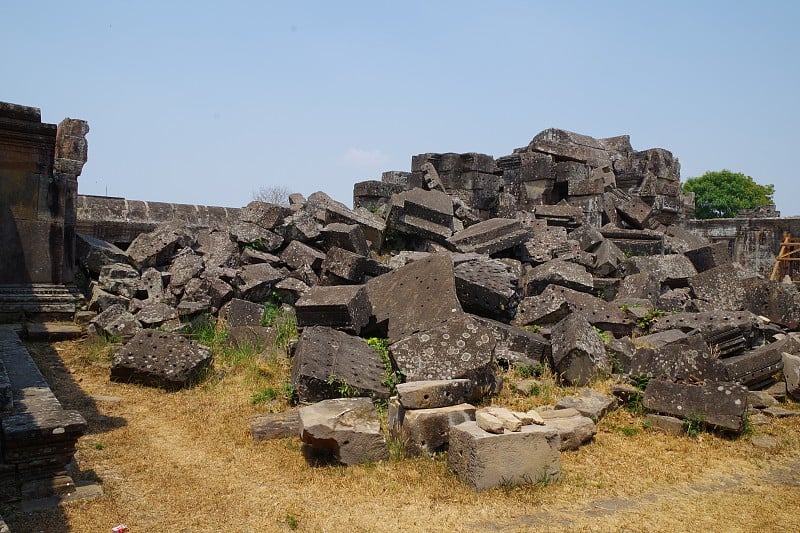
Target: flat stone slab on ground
(348,428)
(719,404)
(268,426)
(160,359)
(589,403)
(483,460)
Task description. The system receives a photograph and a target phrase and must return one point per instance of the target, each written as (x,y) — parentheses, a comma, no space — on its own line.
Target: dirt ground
(185,461)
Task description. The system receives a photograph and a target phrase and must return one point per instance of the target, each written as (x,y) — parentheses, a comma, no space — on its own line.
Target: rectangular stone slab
(720,404)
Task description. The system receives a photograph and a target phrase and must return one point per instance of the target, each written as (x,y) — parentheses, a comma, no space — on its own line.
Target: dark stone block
(344,306)
(488,287)
(720,404)
(160,359)
(325,359)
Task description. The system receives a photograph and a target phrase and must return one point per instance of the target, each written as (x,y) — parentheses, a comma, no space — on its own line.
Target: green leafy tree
(722,194)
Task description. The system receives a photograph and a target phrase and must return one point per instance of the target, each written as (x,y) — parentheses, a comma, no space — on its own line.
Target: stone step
(52,331)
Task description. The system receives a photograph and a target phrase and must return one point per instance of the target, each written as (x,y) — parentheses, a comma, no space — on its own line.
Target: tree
(273,194)
(722,194)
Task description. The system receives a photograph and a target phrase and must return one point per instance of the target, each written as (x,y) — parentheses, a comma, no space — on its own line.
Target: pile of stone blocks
(422,413)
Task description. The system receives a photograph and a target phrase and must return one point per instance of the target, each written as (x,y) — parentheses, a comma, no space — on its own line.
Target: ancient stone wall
(120,221)
(753,242)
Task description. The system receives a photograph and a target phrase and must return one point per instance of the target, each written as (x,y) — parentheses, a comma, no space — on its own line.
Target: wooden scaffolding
(786,261)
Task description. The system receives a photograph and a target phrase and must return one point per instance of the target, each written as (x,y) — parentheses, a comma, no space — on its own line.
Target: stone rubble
(555,255)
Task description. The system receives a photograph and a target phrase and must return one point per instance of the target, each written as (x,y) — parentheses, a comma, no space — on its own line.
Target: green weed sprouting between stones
(646,322)
(282,318)
(391,377)
(605,336)
(342,388)
(529,371)
(693,425)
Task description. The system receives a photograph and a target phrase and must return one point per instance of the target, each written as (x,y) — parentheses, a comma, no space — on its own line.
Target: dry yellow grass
(185,461)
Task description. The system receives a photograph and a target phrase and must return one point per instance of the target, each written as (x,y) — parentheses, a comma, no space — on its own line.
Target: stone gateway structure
(39,168)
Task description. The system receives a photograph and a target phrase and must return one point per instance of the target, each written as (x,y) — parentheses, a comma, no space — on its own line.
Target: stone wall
(753,242)
(119,220)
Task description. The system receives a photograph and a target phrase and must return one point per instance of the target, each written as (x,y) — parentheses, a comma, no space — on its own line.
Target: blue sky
(201,102)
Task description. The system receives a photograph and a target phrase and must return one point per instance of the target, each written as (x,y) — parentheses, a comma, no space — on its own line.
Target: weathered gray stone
(328,211)
(791,375)
(185,266)
(301,226)
(680,360)
(153,314)
(727,332)
(759,399)
(196,298)
(578,351)
(157,247)
(244,313)
(462,347)
(779,412)
(635,212)
(573,428)
(719,404)
(100,300)
(290,290)
(422,214)
(517,346)
(724,287)
(779,302)
(588,237)
(589,403)
(546,244)
(634,242)
(490,236)
(269,426)
(119,278)
(255,282)
(347,236)
(484,461)
(488,287)
(343,266)
(93,254)
(557,272)
(708,256)
(263,214)
(561,214)
(297,254)
(217,249)
(327,360)
(348,428)
(160,359)
(116,322)
(249,234)
(429,297)
(343,306)
(151,285)
(755,365)
(674,270)
(765,442)
(251,256)
(426,430)
(666,424)
(608,257)
(435,393)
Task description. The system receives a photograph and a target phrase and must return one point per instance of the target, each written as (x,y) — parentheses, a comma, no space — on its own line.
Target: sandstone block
(432,394)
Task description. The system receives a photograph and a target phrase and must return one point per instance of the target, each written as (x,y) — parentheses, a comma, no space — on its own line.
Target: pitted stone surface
(157,247)
(558,272)
(255,282)
(347,427)
(434,393)
(94,253)
(462,347)
(429,297)
(297,254)
(115,321)
(674,270)
(159,359)
(488,287)
(325,359)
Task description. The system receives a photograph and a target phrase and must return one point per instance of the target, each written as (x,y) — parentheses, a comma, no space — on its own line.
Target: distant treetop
(722,194)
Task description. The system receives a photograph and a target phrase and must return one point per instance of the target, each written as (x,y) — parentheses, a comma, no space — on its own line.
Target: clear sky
(205,102)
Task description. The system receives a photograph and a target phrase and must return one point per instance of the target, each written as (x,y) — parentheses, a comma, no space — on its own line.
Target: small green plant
(628,253)
(605,336)
(285,392)
(628,431)
(639,381)
(99,446)
(342,388)
(391,376)
(646,322)
(747,426)
(693,425)
(533,328)
(292,520)
(529,371)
